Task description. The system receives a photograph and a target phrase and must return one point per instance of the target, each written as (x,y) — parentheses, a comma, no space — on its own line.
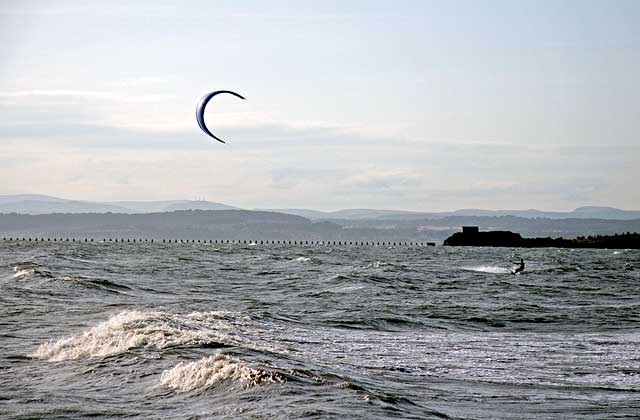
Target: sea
(250,331)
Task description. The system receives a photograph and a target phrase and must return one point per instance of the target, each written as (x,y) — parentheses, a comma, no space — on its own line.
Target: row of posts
(227,241)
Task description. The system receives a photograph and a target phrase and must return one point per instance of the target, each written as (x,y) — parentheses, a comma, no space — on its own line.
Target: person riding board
(519,268)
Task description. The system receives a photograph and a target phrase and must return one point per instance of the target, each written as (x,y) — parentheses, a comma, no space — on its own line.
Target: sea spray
(213,370)
(136,329)
(22,272)
(488,269)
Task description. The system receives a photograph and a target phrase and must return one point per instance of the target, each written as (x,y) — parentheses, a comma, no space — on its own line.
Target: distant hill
(353,214)
(39,206)
(43,204)
(29,197)
(579,213)
(196,224)
(605,213)
(172,205)
(309,214)
(263,225)
(609,213)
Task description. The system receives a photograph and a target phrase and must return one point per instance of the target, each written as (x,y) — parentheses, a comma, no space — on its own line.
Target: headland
(472,236)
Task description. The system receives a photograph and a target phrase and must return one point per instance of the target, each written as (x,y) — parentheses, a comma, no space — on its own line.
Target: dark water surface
(238,331)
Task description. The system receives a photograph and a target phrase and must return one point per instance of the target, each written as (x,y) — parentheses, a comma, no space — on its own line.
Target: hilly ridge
(43,204)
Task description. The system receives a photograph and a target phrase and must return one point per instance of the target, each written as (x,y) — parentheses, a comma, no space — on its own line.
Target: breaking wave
(377,264)
(488,269)
(24,272)
(28,270)
(130,330)
(213,370)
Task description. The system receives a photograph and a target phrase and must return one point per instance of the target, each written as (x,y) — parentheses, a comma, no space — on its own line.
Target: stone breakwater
(220,241)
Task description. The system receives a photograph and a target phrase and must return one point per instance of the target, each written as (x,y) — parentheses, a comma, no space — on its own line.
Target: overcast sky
(351,104)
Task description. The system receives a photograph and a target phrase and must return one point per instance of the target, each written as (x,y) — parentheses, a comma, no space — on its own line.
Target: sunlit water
(237,331)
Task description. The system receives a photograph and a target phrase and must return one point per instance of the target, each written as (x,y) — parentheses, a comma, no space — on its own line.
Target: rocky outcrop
(472,237)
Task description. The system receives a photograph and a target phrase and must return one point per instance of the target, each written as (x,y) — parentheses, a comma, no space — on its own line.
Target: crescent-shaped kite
(203,103)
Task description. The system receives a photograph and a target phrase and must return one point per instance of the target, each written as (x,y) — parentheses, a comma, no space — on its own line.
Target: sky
(412,105)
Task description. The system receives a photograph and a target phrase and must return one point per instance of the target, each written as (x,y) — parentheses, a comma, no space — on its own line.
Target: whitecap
(488,269)
(135,329)
(213,370)
(378,264)
(23,272)
(346,289)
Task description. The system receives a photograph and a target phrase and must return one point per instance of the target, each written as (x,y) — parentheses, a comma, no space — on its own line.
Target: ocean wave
(33,271)
(23,272)
(621,251)
(377,323)
(385,266)
(378,264)
(488,269)
(214,370)
(28,270)
(346,289)
(130,330)
(370,393)
(92,283)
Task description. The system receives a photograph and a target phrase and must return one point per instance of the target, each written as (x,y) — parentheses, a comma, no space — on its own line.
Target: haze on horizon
(414,105)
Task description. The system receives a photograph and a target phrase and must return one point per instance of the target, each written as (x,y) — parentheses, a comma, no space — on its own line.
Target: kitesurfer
(519,268)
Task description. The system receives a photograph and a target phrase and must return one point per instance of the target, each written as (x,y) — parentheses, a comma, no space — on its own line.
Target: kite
(201,106)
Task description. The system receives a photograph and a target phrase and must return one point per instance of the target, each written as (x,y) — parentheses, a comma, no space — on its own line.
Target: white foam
(347,289)
(135,329)
(488,269)
(211,371)
(378,264)
(25,272)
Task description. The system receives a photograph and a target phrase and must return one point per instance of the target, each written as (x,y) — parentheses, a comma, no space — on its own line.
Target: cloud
(66,96)
(144,81)
(290,177)
(100,154)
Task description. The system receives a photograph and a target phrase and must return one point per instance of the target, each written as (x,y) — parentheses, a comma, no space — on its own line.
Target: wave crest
(29,269)
(24,272)
(488,269)
(135,329)
(213,370)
